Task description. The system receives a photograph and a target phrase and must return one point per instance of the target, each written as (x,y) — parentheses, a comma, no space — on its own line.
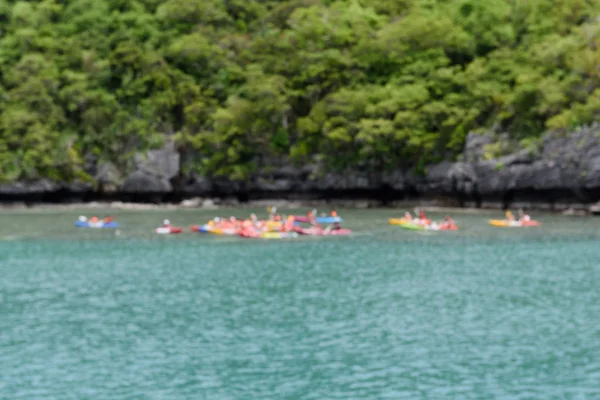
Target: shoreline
(215,204)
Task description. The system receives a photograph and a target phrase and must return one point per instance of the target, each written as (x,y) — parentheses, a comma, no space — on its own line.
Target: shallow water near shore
(386,313)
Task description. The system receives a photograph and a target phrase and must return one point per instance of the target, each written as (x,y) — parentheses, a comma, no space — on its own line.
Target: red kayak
(530,223)
(322,232)
(168,230)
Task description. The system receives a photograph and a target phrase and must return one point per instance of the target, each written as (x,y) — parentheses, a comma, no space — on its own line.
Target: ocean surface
(482,313)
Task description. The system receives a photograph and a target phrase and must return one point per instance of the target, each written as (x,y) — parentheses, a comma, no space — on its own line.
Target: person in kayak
(509,216)
(333,227)
(408,216)
(448,223)
(254,219)
(420,218)
(272,213)
(289,224)
(523,216)
(108,220)
(312,218)
(232,222)
(94,220)
(166,223)
(82,218)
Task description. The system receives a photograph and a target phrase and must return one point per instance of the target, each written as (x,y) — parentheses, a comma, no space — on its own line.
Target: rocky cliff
(560,172)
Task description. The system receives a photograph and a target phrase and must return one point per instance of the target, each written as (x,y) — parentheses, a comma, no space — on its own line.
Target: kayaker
(94,220)
(253,219)
(312,218)
(289,224)
(523,216)
(334,214)
(108,220)
(82,218)
(333,227)
(448,223)
(272,213)
(509,216)
(166,223)
(408,216)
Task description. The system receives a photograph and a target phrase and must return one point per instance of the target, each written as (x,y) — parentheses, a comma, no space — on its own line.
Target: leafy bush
(358,82)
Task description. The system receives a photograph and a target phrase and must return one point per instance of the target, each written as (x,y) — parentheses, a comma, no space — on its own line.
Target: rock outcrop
(561,172)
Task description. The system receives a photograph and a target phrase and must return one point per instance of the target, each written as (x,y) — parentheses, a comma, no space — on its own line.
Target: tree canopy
(367,83)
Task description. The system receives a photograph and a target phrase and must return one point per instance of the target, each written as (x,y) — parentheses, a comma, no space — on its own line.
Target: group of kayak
(420,221)
(95,222)
(275,226)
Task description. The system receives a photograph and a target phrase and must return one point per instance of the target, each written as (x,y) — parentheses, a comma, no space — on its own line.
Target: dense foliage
(237,82)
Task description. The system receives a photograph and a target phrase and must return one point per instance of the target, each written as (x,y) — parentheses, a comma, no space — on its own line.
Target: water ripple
(367,318)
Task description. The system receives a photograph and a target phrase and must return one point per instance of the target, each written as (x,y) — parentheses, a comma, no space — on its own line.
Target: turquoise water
(386,314)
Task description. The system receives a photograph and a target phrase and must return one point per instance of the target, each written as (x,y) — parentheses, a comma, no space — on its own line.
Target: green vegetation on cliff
(237,82)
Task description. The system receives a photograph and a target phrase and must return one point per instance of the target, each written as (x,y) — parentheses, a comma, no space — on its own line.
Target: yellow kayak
(507,223)
(274,225)
(226,231)
(278,235)
(404,221)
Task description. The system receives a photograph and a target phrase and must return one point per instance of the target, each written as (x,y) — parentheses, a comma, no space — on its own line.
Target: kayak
(320,220)
(273,225)
(418,227)
(223,231)
(200,228)
(99,224)
(278,235)
(268,235)
(211,229)
(164,230)
(513,224)
(403,221)
(414,227)
(397,221)
(322,232)
(440,228)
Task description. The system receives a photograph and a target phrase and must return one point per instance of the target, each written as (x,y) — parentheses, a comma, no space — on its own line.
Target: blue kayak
(201,228)
(329,220)
(320,220)
(97,225)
